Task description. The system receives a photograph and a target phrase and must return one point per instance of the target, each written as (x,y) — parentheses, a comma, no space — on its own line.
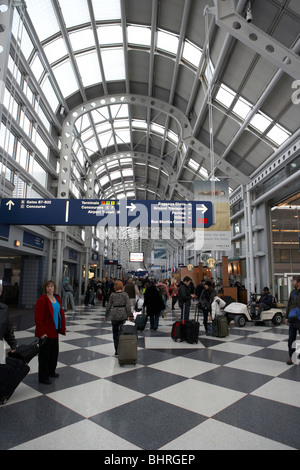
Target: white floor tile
(161,342)
(94,397)
(199,397)
(84,435)
(236,348)
(22,392)
(281,390)
(259,365)
(184,366)
(214,435)
(104,367)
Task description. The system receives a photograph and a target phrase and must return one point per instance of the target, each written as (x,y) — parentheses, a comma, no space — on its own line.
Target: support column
(250,254)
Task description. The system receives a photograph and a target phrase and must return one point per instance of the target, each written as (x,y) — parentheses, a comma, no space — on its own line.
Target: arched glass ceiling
(77,50)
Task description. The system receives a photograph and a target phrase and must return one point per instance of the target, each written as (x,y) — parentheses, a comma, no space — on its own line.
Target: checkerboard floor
(222,393)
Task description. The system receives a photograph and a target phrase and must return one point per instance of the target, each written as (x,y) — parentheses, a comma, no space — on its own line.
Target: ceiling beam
(230,21)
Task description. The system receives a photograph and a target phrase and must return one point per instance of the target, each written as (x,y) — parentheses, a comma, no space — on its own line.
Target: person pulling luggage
(185,297)
(118,309)
(6,329)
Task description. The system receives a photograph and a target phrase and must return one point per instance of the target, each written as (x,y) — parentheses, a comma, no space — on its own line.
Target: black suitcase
(127,349)
(220,327)
(191,329)
(177,332)
(140,321)
(128,328)
(26,352)
(11,375)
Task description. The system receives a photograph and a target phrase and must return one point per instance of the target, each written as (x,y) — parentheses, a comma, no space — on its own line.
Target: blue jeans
(154,319)
(185,311)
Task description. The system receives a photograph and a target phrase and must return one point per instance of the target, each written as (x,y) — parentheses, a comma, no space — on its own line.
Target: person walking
(293,323)
(185,297)
(68,295)
(132,290)
(206,298)
(118,309)
(49,323)
(6,330)
(154,304)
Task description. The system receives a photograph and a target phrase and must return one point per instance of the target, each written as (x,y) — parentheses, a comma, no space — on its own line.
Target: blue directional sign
(114,213)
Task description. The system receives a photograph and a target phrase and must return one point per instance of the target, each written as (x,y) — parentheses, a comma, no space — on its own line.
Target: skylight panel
(193,164)
(89,68)
(100,115)
(75,12)
(225,96)
(25,41)
(65,78)
(37,68)
(82,39)
(278,134)
(111,34)
(114,175)
(173,137)
(100,169)
(113,164)
(157,129)
(104,127)
(91,146)
(55,50)
(121,123)
(203,172)
(123,136)
(87,134)
(105,10)
(43,18)
(260,121)
(106,139)
(113,62)
(242,108)
(167,42)
(139,35)
(104,180)
(127,172)
(139,124)
(119,111)
(191,53)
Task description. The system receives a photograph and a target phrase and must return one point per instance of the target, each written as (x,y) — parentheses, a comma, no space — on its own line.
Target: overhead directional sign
(115,213)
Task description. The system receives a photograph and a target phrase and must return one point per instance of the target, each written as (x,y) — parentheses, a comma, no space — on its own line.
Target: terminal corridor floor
(222,393)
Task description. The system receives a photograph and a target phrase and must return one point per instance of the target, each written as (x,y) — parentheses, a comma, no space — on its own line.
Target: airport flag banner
(217,236)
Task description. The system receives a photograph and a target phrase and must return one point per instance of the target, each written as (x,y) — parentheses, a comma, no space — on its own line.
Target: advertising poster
(218,236)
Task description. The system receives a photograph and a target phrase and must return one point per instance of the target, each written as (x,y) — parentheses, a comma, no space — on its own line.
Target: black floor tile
(165,422)
(29,419)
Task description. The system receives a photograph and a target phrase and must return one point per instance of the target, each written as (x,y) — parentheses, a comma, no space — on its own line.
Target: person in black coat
(154,304)
(6,329)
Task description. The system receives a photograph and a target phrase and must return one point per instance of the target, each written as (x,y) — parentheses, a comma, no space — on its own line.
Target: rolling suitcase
(177,332)
(11,375)
(191,329)
(220,327)
(128,328)
(16,368)
(26,352)
(127,349)
(140,321)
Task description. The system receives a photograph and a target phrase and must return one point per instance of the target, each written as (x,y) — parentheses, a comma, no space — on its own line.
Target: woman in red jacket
(49,321)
